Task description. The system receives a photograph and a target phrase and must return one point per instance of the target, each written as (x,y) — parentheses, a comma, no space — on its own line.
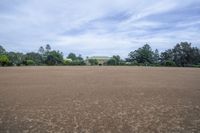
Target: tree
(29,62)
(4,60)
(184,54)
(2,50)
(76,60)
(169,63)
(72,56)
(67,62)
(112,61)
(41,50)
(16,58)
(195,56)
(166,56)
(48,48)
(93,62)
(54,58)
(79,57)
(117,59)
(156,57)
(142,55)
(35,57)
(80,60)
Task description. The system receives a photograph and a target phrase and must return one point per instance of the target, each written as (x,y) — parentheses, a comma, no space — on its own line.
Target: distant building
(102,60)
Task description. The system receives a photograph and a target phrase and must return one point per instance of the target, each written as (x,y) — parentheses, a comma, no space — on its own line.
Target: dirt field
(99,99)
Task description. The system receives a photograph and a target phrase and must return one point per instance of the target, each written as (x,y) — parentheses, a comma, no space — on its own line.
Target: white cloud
(95,26)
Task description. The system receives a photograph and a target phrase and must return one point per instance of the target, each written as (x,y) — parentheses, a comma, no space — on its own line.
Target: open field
(99,99)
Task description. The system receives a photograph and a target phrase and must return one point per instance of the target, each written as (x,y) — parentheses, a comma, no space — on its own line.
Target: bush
(112,62)
(29,62)
(169,63)
(67,62)
(93,62)
(4,60)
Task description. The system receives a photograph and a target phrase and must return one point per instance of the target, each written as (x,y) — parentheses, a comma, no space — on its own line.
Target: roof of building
(100,57)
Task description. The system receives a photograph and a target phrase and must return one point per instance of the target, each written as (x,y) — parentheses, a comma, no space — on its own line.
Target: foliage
(41,50)
(35,57)
(54,58)
(4,60)
(117,59)
(29,62)
(166,56)
(169,63)
(67,61)
(142,55)
(76,60)
(156,57)
(48,48)
(16,59)
(112,62)
(182,55)
(2,50)
(93,62)
(72,56)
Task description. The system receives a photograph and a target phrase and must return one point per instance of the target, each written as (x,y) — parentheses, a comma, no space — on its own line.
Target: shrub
(169,63)
(29,62)
(4,60)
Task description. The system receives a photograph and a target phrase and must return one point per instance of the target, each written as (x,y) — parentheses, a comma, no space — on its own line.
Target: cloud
(93,27)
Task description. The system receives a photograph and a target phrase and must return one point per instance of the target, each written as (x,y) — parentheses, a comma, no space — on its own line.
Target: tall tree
(166,56)
(2,50)
(41,50)
(112,62)
(4,60)
(182,53)
(142,55)
(35,57)
(156,56)
(16,58)
(72,56)
(54,58)
(48,48)
(117,59)
(93,62)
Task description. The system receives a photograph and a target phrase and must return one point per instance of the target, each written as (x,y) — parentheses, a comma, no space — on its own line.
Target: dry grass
(99,99)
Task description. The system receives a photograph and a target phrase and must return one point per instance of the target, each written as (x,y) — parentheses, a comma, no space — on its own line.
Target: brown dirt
(99,99)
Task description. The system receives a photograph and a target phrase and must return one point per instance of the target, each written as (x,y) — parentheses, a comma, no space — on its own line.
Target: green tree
(4,60)
(29,62)
(169,63)
(166,56)
(117,59)
(2,50)
(142,55)
(54,58)
(72,56)
(80,60)
(41,50)
(112,62)
(48,48)
(195,56)
(93,62)
(156,57)
(184,54)
(35,57)
(67,61)
(16,58)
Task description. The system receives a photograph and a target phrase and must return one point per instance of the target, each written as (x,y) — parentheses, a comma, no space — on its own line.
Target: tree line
(181,55)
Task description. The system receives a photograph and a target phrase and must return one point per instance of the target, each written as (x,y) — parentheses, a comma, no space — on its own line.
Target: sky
(98,27)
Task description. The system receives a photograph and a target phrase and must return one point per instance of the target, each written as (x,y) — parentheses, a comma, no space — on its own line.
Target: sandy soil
(99,99)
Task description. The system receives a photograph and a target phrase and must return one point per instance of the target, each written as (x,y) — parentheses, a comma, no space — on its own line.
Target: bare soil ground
(99,99)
